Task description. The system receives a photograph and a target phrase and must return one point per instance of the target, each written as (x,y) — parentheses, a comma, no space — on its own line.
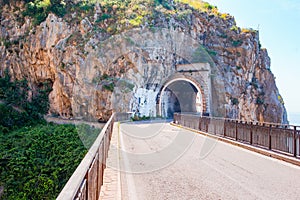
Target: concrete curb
(264,152)
(118,160)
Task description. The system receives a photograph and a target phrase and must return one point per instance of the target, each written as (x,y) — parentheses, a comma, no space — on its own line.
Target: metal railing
(277,137)
(86,181)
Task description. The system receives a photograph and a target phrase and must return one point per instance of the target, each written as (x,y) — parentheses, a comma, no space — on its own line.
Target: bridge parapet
(86,181)
(281,138)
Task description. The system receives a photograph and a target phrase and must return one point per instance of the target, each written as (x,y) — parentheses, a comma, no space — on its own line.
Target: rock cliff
(86,53)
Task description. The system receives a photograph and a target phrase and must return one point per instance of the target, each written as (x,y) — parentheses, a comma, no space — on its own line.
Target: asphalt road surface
(159,161)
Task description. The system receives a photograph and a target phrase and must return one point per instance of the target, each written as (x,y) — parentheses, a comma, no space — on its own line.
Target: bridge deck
(159,161)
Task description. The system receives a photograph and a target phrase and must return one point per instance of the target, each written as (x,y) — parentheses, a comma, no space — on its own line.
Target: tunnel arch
(153,63)
(200,104)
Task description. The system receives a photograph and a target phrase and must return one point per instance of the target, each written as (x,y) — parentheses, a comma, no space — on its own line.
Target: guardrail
(281,138)
(86,181)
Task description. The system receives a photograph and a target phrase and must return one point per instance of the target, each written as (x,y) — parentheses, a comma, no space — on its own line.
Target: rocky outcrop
(85,64)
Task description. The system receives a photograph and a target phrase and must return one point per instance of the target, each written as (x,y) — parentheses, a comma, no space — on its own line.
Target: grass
(199,5)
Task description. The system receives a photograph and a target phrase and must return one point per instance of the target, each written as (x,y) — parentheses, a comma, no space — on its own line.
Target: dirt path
(57,120)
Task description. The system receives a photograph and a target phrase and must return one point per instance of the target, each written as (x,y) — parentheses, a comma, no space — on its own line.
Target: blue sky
(279,30)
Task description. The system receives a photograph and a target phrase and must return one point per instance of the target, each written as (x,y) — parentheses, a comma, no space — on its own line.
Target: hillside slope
(73,45)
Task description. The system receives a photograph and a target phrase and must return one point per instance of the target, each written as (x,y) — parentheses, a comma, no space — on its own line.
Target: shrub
(36,162)
(138,118)
(280,99)
(125,86)
(103,17)
(237,43)
(200,5)
(16,110)
(238,67)
(104,77)
(211,52)
(223,35)
(109,87)
(136,21)
(224,16)
(184,14)
(39,9)
(248,30)
(260,101)
(208,6)
(234,101)
(234,28)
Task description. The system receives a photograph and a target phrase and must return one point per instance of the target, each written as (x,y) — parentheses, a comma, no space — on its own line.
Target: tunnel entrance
(180,96)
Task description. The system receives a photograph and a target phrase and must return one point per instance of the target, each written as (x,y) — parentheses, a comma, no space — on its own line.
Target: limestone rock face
(95,73)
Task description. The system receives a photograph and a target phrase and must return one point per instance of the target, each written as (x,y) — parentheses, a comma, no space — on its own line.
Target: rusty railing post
(251,133)
(270,137)
(295,141)
(236,130)
(215,131)
(224,134)
(199,123)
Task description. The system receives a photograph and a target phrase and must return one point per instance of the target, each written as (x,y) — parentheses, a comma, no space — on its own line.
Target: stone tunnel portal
(180,96)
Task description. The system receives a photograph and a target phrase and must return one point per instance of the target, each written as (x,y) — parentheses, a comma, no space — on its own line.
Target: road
(159,161)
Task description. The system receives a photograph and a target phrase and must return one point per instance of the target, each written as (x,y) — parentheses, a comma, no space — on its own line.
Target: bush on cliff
(16,109)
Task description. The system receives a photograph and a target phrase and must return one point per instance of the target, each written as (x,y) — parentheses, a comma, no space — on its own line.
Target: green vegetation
(203,55)
(184,14)
(36,161)
(260,101)
(125,86)
(238,67)
(248,30)
(103,17)
(16,111)
(138,118)
(254,83)
(200,5)
(39,9)
(109,87)
(36,158)
(223,35)
(236,43)
(280,99)
(211,52)
(109,83)
(234,101)
(225,16)
(136,21)
(121,13)
(234,28)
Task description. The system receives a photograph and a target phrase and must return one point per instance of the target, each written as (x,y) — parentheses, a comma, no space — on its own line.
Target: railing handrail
(74,183)
(281,139)
(241,121)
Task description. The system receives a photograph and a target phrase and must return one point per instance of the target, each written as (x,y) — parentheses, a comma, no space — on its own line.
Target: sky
(278,22)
